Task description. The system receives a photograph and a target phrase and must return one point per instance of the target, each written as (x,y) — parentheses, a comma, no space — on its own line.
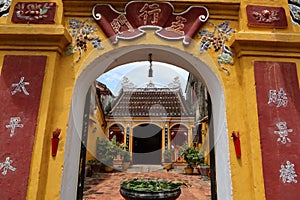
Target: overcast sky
(137,73)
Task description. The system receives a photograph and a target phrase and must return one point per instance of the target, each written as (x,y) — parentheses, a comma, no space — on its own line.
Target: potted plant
(108,163)
(191,156)
(88,170)
(143,189)
(95,165)
(203,167)
(167,162)
(126,160)
(106,152)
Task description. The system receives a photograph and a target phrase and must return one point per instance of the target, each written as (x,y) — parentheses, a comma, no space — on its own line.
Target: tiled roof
(102,89)
(146,102)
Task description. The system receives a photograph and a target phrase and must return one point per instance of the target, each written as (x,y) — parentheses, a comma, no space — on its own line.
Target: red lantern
(55,141)
(237,144)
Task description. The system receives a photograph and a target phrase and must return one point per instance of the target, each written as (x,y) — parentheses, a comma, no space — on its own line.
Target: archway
(178,135)
(116,130)
(147,144)
(163,54)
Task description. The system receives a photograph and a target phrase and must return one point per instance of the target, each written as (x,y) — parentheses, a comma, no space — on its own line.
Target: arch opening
(147,144)
(116,130)
(179,135)
(164,54)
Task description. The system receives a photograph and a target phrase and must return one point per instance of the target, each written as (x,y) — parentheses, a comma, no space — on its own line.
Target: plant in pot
(203,166)
(126,160)
(88,170)
(106,152)
(191,156)
(167,162)
(108,162)
(95,165)
(143,189)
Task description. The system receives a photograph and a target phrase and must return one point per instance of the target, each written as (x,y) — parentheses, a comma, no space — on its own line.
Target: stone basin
(130,194)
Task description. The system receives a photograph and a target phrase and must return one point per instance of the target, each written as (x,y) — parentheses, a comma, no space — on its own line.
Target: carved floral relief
(218,38)
(265,16)
(34,12)
(82,33)
(4,7)
(294,6)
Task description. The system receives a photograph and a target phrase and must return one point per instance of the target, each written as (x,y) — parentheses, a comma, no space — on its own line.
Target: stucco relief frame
(168,24)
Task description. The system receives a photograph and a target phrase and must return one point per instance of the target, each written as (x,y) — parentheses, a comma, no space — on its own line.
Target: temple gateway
(243,54)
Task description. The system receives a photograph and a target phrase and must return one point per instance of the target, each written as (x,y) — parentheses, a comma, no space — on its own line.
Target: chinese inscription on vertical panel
(13,124)
(283,132)
(6,165)
(20,86)
(287,173)
(278,98)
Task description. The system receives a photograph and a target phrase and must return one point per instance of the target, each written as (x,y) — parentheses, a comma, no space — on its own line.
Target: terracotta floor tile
(105,186)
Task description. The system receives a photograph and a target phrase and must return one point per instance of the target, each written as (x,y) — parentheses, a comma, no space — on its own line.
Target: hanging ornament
(150,74)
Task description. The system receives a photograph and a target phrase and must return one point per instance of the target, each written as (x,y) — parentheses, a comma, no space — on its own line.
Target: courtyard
(106,186)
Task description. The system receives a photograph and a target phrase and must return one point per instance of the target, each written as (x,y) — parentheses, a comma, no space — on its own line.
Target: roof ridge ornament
(126,84)
(150,84)
(175,83)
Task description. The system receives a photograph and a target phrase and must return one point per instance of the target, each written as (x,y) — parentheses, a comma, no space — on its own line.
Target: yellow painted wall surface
(47,40)
(239,88)
(96,128)
(241,169)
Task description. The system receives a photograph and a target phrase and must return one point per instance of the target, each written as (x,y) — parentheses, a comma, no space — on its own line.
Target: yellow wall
(239,88)
(48,40)
(96,128)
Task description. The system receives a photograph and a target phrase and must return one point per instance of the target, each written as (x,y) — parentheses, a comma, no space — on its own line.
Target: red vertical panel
(16,149)
(285,109)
